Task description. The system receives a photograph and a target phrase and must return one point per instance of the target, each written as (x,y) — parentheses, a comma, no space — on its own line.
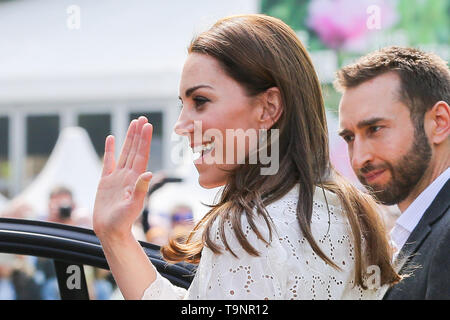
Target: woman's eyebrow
(191,90)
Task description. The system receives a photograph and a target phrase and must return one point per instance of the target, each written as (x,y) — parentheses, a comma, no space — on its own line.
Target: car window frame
(70,245)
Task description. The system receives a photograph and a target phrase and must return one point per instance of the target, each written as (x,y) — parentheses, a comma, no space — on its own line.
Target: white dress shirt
(287,268)
(409,219)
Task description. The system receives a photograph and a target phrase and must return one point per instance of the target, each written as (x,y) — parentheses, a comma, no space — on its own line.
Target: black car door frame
(72,247)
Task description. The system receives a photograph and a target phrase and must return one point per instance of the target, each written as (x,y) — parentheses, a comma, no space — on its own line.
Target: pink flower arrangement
(343,24)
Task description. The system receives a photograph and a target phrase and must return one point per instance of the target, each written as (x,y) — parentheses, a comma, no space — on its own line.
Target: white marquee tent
(74,164)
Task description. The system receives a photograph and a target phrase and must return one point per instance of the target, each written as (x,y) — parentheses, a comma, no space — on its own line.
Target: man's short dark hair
(424,77)
(60,190)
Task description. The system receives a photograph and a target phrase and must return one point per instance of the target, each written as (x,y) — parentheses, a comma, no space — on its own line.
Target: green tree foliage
(425,21)
(295,14)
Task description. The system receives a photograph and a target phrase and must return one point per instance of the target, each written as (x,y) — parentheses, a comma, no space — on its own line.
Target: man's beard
(405,173)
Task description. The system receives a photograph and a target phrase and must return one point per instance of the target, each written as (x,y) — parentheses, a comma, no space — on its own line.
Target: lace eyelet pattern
(288,268)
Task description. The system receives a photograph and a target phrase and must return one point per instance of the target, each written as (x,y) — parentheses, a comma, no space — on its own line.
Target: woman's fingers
(136,148)
(141,187)
(136,140)
(143,151)
(109,158)
(127,144)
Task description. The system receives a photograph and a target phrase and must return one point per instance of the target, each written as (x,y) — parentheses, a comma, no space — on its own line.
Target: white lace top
(288,268)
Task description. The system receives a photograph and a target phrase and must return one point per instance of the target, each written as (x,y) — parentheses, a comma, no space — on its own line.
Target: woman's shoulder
(326,206)
(282,220)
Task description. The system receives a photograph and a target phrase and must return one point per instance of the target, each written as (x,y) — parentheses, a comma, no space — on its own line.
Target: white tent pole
(170,116)
(17,147)
(68,118)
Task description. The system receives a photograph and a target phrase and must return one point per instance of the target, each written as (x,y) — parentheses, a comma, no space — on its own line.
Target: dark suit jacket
(428,249)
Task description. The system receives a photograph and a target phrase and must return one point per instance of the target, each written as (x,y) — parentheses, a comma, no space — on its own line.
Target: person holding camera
(61,206)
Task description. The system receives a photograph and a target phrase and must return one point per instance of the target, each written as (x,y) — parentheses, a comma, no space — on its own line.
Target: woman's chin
(209,183)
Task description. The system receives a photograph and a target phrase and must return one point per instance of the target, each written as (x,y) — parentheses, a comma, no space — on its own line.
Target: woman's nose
(184,126)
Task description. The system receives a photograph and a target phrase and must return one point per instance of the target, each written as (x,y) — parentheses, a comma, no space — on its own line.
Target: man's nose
(361,154)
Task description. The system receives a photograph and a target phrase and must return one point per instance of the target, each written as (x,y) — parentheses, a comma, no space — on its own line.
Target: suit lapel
(411,247)
(435,211)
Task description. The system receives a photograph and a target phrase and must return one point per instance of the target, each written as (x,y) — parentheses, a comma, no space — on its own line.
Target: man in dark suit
(395,118)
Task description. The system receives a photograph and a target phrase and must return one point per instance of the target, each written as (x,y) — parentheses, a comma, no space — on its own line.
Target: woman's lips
(202,155)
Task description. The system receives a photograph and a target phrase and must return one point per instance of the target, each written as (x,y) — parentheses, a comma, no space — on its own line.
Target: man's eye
(348,138)
(374,129)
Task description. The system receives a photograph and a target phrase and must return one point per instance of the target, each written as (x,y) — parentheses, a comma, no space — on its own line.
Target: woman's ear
(272,107)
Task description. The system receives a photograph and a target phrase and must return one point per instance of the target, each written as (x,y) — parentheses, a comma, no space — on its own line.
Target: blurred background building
(96,65)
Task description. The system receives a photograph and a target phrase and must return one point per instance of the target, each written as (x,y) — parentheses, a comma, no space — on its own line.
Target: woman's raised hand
(123,185)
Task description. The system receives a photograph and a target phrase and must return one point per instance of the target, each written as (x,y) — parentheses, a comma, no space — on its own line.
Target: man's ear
(437,120)
(272,107)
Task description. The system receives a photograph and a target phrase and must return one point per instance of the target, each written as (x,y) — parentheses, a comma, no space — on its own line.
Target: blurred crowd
(29,277)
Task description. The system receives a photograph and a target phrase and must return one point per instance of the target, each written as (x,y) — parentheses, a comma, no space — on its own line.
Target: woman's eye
(199,101)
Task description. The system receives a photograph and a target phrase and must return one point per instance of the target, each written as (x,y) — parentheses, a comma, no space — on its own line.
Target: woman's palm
(123,186)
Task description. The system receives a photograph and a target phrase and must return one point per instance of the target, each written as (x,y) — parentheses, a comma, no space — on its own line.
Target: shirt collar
(412,215)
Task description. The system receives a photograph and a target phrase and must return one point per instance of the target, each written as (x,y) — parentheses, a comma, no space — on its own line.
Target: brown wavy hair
(261,52)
